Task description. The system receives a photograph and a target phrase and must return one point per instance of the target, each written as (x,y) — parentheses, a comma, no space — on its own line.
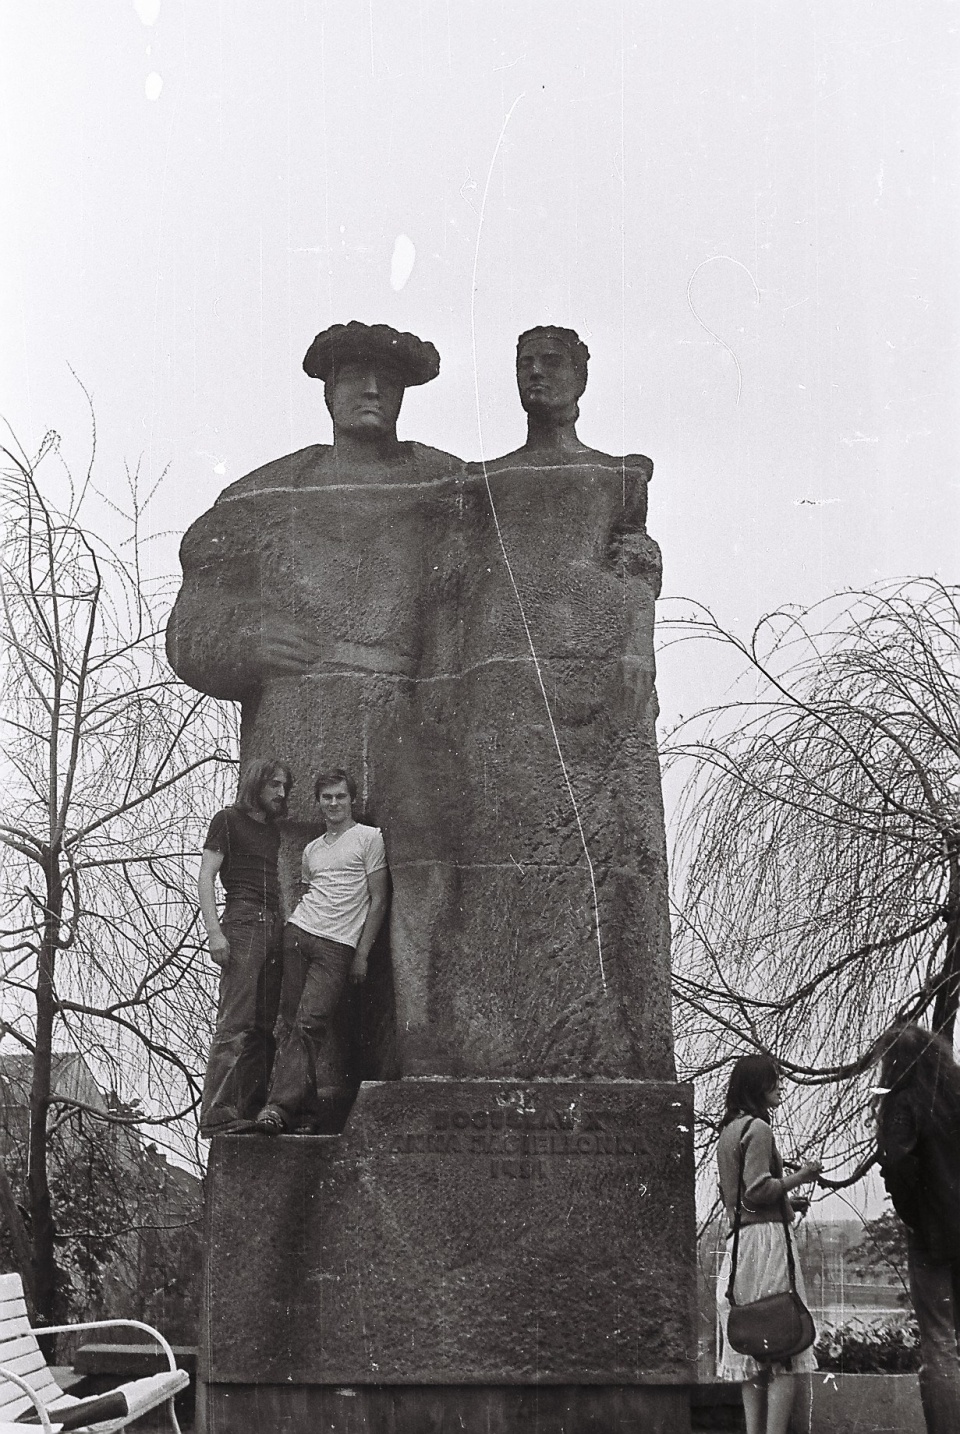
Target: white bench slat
(27,1359)
(12,1328)
(12,1400)
(7,1385)
(46,1386)
(30,1366)
(14,1348)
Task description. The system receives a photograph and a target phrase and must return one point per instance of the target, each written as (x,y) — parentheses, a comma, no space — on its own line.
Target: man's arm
(899,1161)
(377,885)
(219,947)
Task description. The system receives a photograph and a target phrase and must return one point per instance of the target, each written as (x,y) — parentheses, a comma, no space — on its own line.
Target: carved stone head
(551,371)
(365,369)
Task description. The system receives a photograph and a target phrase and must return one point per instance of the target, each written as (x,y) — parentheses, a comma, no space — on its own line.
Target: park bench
(26,1383)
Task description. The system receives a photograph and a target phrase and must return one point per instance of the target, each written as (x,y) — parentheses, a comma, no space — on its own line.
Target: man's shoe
(268,1122)
(229,1127)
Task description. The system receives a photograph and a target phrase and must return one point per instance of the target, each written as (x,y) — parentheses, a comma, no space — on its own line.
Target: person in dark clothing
(242,847)
(918,1127)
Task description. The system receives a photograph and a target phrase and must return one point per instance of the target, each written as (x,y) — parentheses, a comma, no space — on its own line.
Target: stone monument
(560,835)
(502,1236)
(306,597)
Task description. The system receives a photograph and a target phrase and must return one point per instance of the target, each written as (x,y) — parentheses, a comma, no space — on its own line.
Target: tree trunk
(22,1252)
(948,982)
(38,1186)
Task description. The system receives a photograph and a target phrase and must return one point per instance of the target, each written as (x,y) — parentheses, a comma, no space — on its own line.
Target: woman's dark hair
(254,778)
(333,778)
(751,1081)
(920,1061)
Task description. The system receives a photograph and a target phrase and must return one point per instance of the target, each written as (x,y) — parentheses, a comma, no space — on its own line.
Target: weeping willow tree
(110,766)
(817,847)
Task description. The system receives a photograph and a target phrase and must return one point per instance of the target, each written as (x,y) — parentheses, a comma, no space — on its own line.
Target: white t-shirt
(335,873)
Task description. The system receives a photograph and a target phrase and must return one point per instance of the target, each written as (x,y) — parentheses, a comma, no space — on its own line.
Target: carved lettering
(517,1141)
(513,1119)
(518,1169)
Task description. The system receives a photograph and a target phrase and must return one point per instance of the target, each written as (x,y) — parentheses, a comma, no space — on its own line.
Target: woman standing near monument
(766,1213)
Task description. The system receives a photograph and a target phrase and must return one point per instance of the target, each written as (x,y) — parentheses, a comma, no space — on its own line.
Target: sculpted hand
(358,969)
(219,948)
(285,648)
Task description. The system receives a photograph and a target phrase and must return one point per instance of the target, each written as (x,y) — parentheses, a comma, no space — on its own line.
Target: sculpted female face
(547,376)
(364,397)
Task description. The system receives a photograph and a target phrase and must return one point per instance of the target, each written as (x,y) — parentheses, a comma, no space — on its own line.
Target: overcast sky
(747,209)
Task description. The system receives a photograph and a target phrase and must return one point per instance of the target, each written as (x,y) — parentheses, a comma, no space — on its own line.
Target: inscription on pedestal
(515,1141)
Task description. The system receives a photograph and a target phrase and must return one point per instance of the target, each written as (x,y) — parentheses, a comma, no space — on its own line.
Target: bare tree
(107,759)
(817,853)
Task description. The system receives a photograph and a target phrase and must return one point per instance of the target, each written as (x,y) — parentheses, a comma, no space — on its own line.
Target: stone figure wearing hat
(307,596)
(253,574)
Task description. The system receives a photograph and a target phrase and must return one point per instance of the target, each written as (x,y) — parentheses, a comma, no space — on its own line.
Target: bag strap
(736,1216)
(737,1220)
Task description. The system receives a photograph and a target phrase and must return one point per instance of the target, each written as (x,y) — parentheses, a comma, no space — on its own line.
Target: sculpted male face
(547,377)
(364,397)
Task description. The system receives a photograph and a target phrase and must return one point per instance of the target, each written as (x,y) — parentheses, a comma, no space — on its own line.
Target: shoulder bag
(779,1326)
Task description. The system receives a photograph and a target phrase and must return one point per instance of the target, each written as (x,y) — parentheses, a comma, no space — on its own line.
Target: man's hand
(285,648)
(358,968)
(219,948)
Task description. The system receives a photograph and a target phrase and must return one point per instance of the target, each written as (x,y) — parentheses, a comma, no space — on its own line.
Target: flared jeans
(241,1056)
(315,972)
(935,1291)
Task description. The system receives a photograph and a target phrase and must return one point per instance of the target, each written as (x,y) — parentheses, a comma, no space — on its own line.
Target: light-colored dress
(762,1267)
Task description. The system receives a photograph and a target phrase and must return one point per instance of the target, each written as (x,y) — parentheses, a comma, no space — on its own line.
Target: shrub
(855,1348)
(881,1253)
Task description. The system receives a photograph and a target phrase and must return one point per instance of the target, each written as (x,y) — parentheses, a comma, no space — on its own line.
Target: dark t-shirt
(250,850)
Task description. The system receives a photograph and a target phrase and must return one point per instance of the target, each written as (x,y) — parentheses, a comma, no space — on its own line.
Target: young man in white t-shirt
(326,942)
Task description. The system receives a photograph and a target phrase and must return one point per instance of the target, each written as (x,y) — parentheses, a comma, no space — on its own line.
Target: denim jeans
(241,1056)
(935,1291)
(315,973)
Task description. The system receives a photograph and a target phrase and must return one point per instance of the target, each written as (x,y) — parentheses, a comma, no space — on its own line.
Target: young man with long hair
(918,1128)
(242,847)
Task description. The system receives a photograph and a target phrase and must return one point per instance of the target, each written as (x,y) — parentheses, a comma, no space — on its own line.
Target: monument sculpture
(306,597)
(509,1206)
(562,820)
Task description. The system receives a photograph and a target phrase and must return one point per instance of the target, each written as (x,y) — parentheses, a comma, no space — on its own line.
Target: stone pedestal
(468,1255)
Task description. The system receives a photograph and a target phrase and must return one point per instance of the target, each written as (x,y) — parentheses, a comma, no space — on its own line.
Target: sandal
(268,1123)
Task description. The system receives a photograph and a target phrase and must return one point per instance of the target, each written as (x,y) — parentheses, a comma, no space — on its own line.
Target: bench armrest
(110,1324)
